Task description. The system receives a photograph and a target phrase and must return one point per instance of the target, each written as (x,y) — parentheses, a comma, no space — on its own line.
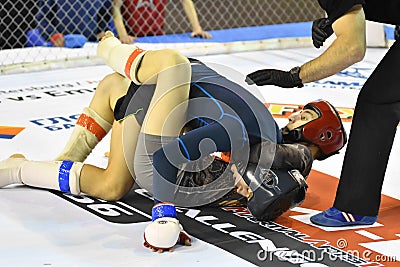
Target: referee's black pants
(371,138)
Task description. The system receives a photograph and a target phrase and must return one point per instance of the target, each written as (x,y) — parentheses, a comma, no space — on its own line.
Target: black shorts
(136,102)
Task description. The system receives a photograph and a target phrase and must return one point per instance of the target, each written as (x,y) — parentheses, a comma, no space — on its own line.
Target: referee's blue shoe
(335,218)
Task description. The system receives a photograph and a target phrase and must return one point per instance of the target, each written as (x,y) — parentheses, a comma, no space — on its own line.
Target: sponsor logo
(353,78)
(9,132)
(34,93)
(291,239)
(56,123)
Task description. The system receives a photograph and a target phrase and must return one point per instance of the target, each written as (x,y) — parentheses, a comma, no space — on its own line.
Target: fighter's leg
(111,183)
(109,90)
(96,119)
(114,181)
(117,179)
(58,175)
(167,68)
(167,110)
(218,136)
(171,73)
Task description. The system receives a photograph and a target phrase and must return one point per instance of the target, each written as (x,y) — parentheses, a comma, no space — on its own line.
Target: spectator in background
(146,18)
(89,18)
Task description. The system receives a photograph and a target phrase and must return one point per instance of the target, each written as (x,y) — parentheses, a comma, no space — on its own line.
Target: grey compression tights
(143,162)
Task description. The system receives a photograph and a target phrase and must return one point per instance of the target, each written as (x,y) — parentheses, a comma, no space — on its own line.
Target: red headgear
(327,131)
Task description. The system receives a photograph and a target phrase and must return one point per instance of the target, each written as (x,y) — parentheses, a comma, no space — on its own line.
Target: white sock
(10,171)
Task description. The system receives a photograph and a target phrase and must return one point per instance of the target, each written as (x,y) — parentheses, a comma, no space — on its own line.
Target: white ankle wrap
(89,130)
(122,58)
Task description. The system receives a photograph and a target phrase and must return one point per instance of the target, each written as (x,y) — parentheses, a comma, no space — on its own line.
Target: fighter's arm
(287,156)
(123,35)
(190,11)
(348,47)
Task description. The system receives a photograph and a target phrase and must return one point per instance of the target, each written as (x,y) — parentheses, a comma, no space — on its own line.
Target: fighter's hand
(165,231)
(240,185)
(279,78)
(127,39)
(321,30)
(183,239)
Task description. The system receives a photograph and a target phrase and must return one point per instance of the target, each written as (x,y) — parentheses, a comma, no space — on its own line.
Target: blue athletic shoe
(335,218)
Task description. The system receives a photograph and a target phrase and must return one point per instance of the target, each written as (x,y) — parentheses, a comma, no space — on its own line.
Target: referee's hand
(279,78)
(321,30)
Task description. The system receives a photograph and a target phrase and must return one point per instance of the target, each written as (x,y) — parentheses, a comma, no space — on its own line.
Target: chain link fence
(33,23)
(227,14)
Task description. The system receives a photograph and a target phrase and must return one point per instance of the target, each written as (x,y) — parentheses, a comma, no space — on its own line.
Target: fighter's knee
(115,189)
(158,61)
(172,58)
(110,82)
(114,194)
(111,78)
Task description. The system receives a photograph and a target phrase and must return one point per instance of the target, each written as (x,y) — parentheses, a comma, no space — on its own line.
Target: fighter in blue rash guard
(228,115)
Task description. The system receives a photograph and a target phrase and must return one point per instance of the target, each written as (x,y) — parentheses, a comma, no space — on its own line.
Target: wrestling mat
(44,228)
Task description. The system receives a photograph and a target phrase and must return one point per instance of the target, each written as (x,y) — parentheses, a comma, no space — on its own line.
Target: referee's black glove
(321,30)
(285,79)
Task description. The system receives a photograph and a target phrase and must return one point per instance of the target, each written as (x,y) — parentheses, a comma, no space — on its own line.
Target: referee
(377,109)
